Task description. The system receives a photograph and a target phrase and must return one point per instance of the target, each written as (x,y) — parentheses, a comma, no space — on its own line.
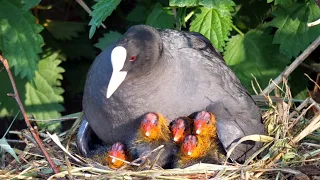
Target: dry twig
(33,131)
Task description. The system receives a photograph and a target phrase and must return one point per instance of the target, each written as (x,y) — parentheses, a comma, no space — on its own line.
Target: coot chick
(196,149)
(103,155)
(205,125)
(153,132)
(180,128)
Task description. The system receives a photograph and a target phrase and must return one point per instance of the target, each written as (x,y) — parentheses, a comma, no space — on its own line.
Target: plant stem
(236,29)
(88,10)
(188,16)
(10,125)
(33,131)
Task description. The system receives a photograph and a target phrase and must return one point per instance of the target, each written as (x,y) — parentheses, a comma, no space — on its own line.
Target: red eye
(133,58)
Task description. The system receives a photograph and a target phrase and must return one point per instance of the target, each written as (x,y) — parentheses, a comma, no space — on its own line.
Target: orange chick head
(189,146)
(149,125)
(117,150)
(178,129)
(201,122)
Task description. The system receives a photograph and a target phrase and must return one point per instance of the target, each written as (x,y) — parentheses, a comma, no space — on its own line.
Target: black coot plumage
(168,71)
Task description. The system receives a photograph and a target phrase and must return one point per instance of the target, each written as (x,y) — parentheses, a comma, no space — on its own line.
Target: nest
(291,151)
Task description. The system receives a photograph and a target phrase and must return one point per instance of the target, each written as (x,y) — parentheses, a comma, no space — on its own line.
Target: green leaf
(6,147)
(192,3)
(41,96)
(138,14)
(254,54)
(250,14)
(298,83)
(293,35)
(107,39)
(160,17)
(184,3)
(283,2)
(76,48)
(28,4)
(64,30)
(101,10)
(214,23)
(20,41)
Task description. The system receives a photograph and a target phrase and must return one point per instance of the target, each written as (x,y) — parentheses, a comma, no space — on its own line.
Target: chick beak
(147,134)
(199,124)
(178,134)
(189,153)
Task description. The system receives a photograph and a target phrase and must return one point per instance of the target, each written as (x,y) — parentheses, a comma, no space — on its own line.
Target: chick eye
(133,58)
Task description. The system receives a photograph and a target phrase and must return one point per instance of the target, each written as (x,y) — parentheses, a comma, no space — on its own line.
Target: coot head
(180,128)
(134,55)
(189,146)
(117,150)
(202,120)
(149,126)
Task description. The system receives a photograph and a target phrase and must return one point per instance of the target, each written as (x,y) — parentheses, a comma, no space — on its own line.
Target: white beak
(147,134)
(118,58)
(113,160)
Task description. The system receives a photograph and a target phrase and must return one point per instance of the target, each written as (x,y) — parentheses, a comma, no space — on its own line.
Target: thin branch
(315,83)
(312,68)
(293,66)
(32,130)
(314,23)
(88,10)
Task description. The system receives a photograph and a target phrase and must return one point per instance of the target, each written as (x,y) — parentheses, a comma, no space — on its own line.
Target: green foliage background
(47,42)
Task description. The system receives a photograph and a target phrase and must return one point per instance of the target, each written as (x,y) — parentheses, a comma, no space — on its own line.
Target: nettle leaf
(64,30)
(44,95)
(101,10)
(184,3)
(298,83)
(250,14)
(191,3)
(280,1)
(20,41)
(293,35)
(138,14)
(76,48)
(160,17)
(41,96)
(108,39)
(283,2)
(254,54)
(28,4)
(214,23)
(6,147)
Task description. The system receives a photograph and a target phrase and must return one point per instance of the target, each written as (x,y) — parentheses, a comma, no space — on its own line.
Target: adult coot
(172,72)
